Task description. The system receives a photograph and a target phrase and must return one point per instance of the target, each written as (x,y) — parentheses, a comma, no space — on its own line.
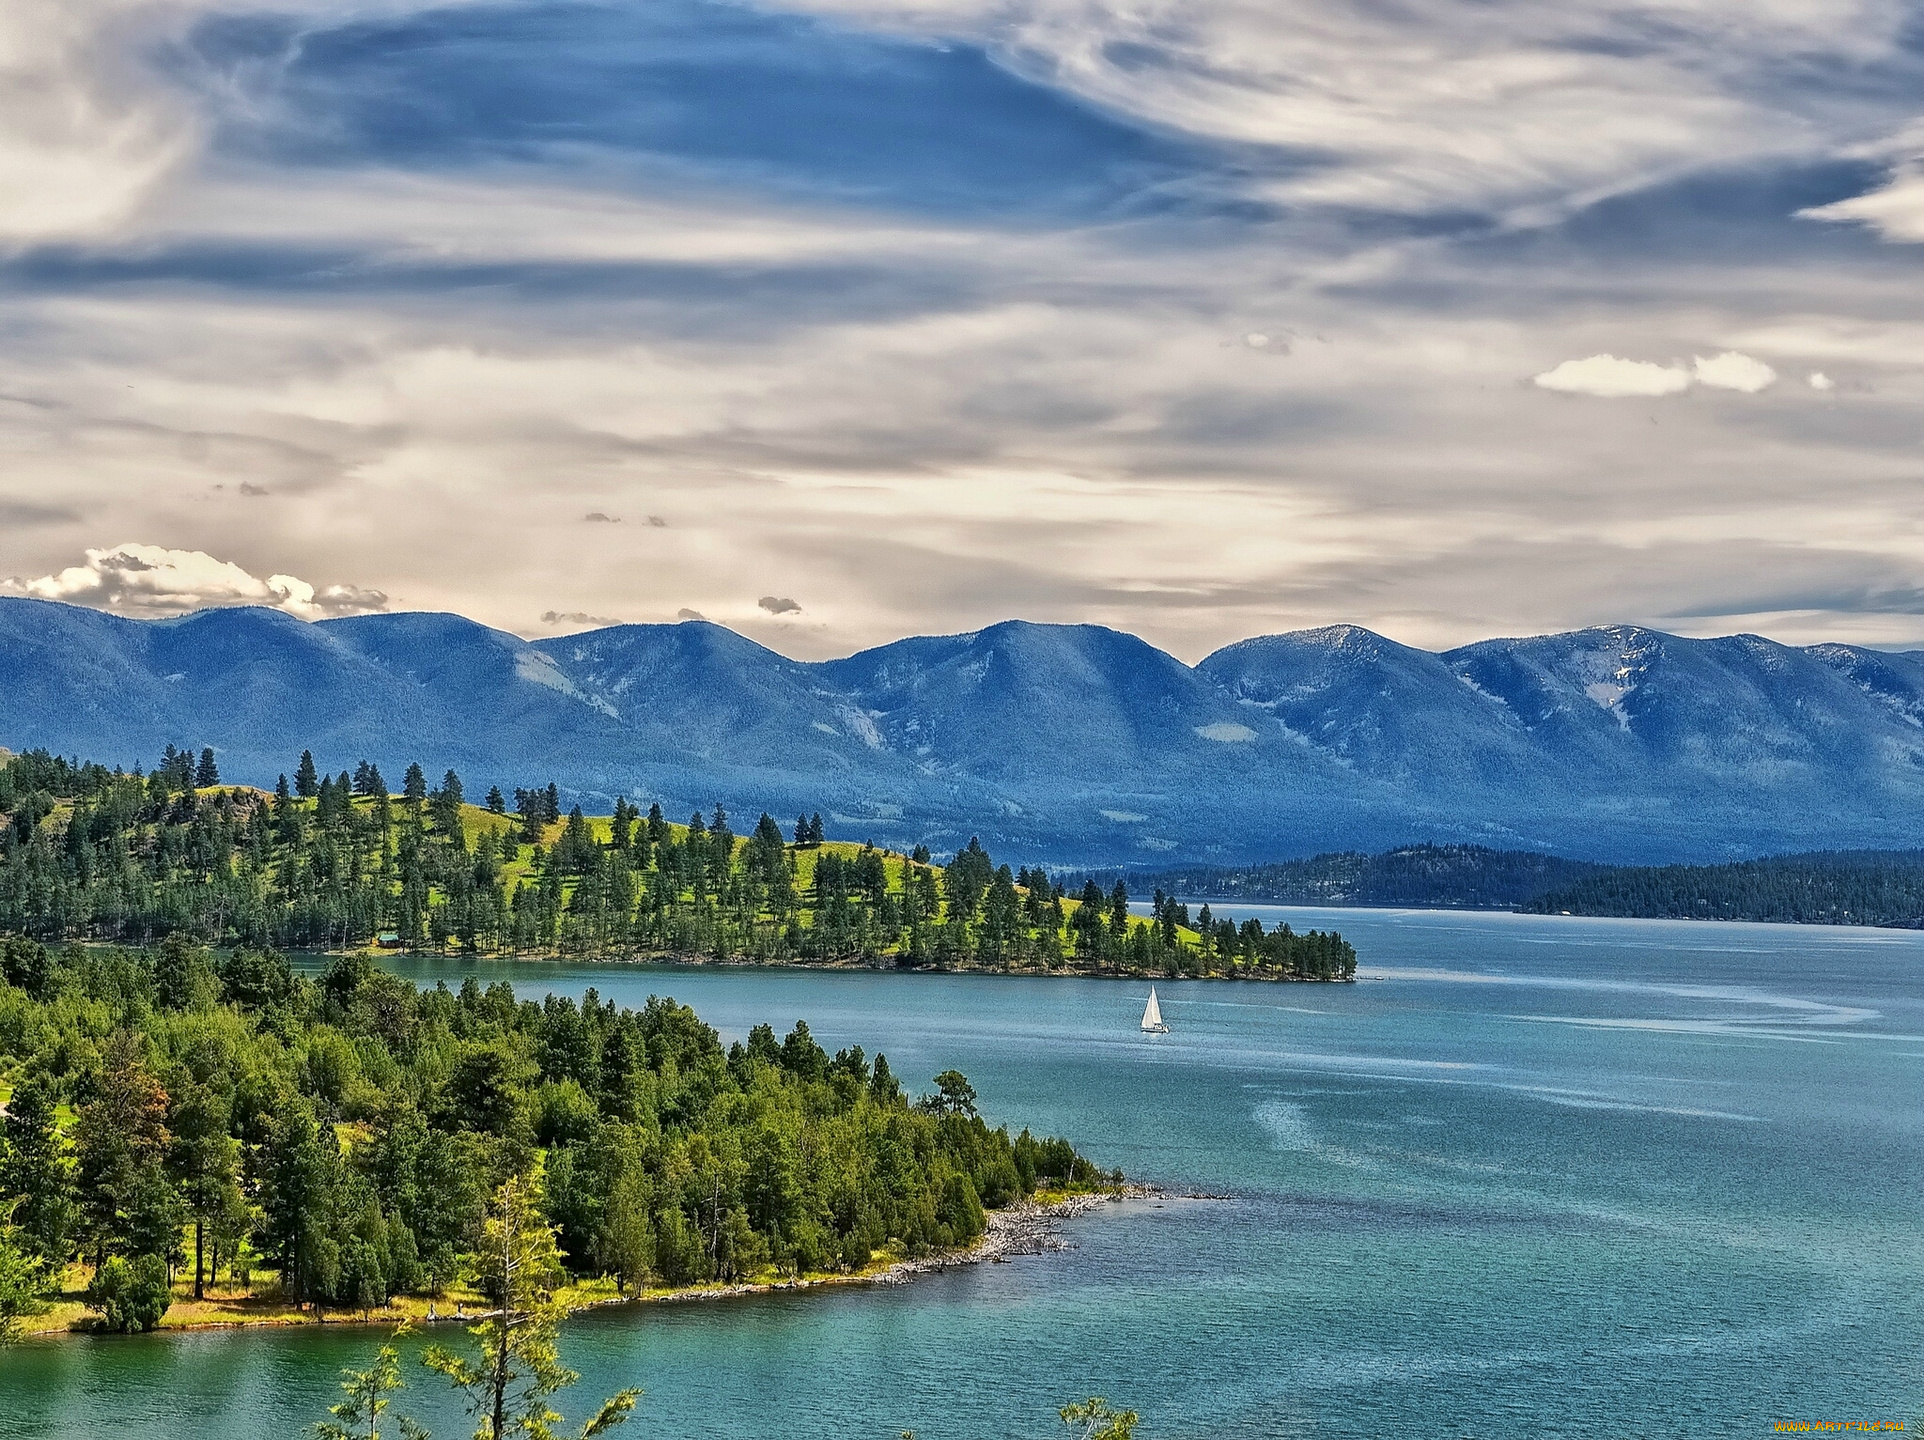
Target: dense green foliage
(1861,887)
(1470,877)
(334,862)
(344,1133)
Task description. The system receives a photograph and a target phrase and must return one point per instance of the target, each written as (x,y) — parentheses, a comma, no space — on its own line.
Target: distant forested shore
(338,862)
(1851,887)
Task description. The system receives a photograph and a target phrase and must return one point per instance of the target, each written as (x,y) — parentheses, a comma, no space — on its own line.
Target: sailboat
(1152,1016)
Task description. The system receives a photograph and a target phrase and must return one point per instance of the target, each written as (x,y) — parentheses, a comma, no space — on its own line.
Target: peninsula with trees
(338,862)
(194,1138)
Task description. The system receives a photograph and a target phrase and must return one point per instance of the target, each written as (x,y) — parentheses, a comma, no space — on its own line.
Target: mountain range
(1059,744)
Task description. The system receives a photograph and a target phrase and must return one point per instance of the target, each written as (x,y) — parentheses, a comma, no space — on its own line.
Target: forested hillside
(1864,887)
(181,1125)
(333,862)
(1471,877)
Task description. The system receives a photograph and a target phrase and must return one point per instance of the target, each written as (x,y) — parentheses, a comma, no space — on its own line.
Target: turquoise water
(1532,1175)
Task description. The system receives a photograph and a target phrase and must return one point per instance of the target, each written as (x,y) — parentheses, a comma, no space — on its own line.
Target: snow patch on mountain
(1226,731)
(540,668)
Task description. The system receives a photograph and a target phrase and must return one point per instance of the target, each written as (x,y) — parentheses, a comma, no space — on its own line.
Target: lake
(1530,1176)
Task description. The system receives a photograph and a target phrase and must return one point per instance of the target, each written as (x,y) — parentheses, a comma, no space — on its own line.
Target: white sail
(1152,1015)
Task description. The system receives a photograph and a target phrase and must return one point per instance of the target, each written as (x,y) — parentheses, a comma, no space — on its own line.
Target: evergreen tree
(358,1417)
(1094,1419)
(518,1367)
(35,1177)
(625,1241)
(207,773)
(497,803)
(307,780)
(120,1144)
(445,806)
(414,786)
(204,1162)
(23,1274)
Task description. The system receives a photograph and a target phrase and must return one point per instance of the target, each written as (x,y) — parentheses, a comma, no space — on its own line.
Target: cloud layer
(1201,319)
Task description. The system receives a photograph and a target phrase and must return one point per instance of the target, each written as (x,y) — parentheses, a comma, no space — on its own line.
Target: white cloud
(1734,371)
(1611,378)
(1820,381)
(150,580)
(1894,210)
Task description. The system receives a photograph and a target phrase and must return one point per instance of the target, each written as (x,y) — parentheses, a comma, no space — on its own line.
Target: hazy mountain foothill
(1066,745)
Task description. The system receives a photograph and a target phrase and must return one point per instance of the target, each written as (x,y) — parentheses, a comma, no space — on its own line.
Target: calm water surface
(1530,1176)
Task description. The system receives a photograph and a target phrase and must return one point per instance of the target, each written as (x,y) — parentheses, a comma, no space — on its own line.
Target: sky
(839,320)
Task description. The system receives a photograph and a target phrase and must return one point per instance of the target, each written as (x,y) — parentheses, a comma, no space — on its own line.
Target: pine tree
(120,1141)
(307,780)
(497,803)
(359,1416)
(1093,1419)
(446,803)
(414,787)
(204,1160)
(208,773)
(34,1176)
(508,1384)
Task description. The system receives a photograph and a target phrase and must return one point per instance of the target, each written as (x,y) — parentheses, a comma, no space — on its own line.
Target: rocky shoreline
(1027,1227)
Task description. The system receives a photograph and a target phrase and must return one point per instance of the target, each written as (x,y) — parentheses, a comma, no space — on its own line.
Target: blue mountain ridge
(1063,744)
